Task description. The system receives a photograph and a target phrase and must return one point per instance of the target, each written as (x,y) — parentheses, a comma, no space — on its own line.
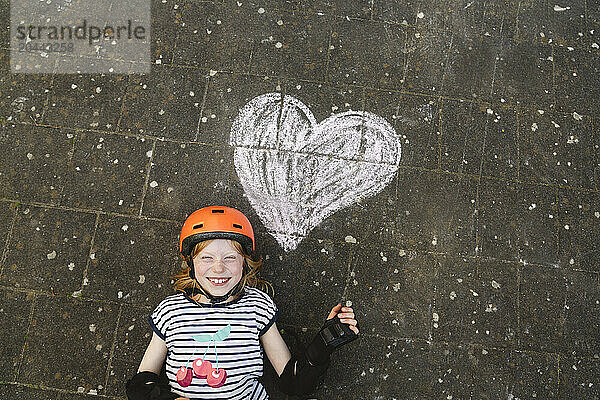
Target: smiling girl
(211,334)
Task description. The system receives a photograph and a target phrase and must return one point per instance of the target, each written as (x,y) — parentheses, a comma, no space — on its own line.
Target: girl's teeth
(218,281)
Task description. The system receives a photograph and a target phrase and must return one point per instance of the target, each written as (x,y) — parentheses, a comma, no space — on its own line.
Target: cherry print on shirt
(201,367)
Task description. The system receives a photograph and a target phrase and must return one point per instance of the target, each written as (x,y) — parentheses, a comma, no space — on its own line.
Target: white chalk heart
(297,172)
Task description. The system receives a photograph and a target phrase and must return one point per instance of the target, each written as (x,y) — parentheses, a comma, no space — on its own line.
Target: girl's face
(219,267)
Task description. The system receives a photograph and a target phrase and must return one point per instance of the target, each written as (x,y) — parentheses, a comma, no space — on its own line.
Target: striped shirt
(227,335)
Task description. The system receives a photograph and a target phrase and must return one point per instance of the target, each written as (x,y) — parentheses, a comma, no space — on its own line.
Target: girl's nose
(219,266)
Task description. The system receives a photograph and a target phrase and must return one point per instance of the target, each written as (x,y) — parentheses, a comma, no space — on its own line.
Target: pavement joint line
(145,187)
(53,389)
(348,275)
(328,56)
(112,349)
(122,109)
(71,154)
(434,343)
(518,141)
(89,258)
(519,280)
(89,211)
(38,293)
(506,106)
(440,131)
(207,82)
(22,356)
(8,237)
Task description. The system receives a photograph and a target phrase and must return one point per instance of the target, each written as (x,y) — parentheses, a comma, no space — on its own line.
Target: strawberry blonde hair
(251,269)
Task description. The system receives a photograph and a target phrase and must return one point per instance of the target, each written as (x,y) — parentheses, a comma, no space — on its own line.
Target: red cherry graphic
(184,376)
(202,368)
(216,378)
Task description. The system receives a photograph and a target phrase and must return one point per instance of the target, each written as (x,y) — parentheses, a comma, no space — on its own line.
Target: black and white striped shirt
(179,321)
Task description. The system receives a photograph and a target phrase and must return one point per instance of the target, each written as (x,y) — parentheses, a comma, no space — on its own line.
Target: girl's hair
(250,271)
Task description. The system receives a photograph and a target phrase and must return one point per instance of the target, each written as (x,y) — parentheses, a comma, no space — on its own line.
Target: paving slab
(542,308)
(382,67)
(48,250)
(15,308)
(107,172)
(579,379)
(476,301)
(557,148)
(426,55)
(33,162)
(132,337)
(288,44)
(576,78)
(325,100)
(470,69)
(8,391)
(185,177)
(579,219)
(133,260)
(7,214)
(210,37)
(413,12)
(397,299)
(517,222)
(523,74)
(357,372)
(5,23)
(479,140)
(424,226)
(416,119)
(582,320)
(309,281)
(164,104)
(91,101)
(226,95)
(533,23)
(166,17)
(24,97)
(370,219)
(85,328)
(499,373)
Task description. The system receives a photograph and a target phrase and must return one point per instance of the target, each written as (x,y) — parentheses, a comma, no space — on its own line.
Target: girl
(211,332)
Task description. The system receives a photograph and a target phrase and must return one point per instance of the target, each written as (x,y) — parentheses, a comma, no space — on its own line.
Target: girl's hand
(346,316)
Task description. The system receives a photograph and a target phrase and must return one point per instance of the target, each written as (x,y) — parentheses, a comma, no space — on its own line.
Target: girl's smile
(218,267)
(219,281)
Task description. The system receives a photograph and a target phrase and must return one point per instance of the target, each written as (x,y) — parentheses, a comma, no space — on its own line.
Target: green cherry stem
(216,357)
(188,361)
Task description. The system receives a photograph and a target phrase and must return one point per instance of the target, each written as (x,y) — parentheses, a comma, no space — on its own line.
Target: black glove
(145,386)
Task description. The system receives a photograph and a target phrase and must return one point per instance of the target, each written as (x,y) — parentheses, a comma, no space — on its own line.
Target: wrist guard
(145,386)
(332,335)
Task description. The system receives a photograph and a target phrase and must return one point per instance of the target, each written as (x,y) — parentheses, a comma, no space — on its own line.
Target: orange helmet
(216,222)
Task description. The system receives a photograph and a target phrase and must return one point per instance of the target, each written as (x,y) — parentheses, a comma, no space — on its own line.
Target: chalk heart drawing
(300,174)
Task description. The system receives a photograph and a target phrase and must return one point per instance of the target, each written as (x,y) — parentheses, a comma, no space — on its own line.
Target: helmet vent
(237,226)
(198,226)
(218,211)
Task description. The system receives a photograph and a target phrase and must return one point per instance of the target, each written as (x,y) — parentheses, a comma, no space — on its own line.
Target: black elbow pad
(299,377)
(303,375)
(146,386)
